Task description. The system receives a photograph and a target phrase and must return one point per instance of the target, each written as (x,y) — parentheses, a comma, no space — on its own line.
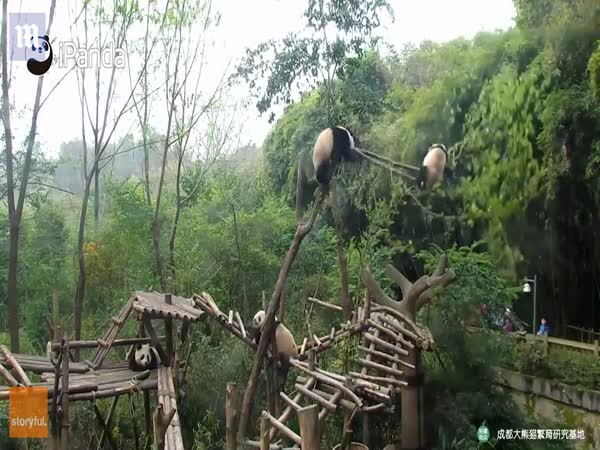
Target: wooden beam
(105,424)
(12,362)
(155,341)
(309,428)
(65,418)
(230,415)
(265,439)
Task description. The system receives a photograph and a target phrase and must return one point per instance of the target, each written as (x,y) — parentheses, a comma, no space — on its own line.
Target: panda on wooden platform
(333,145)
(286,345)
(432,169)
(145,357)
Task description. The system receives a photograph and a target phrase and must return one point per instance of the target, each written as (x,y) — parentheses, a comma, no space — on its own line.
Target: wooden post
(413,414)
(148,419)
(596,347)
(265,438)
(230,415)
(169,329)
(64,393)
(545,344)
(55,316)
(309,427)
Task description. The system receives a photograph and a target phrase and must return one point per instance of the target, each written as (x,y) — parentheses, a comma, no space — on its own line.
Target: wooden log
(379,354)
(94,343)
(309,428)
(327,380)
(335,398)
(155,342)
(289,401)
(287,412)
(147,418)
(256,444)
(65,418)
(12,362)
(379,379)
(241,323)
(387,331)
(386,345)
(105,425)
(380,367)
(282,428)
(303,348)
(7,375)
(325,304)
(113,392)
(346,404)
(265,439)
(397,326)
(315,397)
(230,415)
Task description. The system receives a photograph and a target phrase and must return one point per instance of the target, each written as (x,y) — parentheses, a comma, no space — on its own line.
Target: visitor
(544,328)
(508,326)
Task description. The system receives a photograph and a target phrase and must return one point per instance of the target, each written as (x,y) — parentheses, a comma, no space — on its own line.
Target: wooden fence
(556,343)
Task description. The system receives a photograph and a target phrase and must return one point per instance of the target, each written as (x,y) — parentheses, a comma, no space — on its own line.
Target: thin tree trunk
(178,205)
(239,255)
(16,213)
(345,300)
(81,279)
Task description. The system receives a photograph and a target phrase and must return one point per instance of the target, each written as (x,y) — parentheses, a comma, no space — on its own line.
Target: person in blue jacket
(544,328)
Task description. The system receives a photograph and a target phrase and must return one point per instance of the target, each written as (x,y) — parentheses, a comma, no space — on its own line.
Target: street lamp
(527,289)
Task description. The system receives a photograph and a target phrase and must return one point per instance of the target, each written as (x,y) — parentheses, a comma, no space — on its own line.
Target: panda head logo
(40,58)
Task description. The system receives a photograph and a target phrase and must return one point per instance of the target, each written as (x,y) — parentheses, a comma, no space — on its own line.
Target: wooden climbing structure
(98,378)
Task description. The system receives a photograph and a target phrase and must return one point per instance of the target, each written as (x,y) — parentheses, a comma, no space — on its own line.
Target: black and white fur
(333,145)
(432,169)
(286,345)
(145,357)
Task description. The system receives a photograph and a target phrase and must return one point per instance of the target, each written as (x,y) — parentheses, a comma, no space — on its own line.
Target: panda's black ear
(138,347)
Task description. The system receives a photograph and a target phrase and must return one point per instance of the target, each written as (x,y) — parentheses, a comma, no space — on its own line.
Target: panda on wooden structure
(333,145)
(145,357)
(432,169)
(286,345)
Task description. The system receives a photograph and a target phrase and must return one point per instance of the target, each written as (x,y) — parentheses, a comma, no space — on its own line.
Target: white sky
(244,23)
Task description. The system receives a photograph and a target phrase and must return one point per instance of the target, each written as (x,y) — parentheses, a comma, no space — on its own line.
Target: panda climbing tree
(337,145)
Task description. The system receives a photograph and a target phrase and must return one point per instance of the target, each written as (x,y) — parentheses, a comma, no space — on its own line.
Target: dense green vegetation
(520,109)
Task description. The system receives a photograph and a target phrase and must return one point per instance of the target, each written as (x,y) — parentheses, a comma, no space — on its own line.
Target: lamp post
(527,289)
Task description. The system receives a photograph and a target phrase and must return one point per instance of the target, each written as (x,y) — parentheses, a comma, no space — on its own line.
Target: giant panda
(333,145)
(145,357)
(432,169)
(286,345)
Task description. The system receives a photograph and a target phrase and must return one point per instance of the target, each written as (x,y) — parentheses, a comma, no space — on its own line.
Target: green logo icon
(483,434)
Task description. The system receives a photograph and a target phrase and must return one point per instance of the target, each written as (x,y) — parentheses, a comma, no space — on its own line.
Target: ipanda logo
(28,43)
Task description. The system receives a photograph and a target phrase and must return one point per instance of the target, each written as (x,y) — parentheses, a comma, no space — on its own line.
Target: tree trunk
(15,214)
(345,300)
(80,292)
(240,267)
(13,307)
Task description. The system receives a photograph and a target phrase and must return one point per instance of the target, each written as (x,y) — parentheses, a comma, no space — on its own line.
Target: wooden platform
(104,383)
(40,364)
